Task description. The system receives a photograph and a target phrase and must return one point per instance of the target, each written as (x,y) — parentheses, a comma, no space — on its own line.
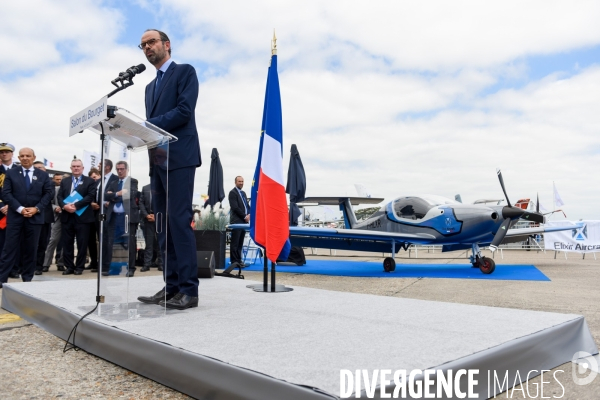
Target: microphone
(129,73)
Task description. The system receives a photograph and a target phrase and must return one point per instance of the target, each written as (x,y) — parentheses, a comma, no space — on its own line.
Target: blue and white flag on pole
(557,200)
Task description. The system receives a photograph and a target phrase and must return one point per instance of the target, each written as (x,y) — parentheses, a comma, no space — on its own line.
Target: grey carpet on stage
(242,344)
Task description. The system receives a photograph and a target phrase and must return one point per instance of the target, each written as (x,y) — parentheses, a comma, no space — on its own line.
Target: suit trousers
(72,229)
(17,264)
(55,235)
(2,240)
(235,248)
(151,244)
(107,242)
(43,245)
(93,244)
(30,234)
(180,263)
(132,246)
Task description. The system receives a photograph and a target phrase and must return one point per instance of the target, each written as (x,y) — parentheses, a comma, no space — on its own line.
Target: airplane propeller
(511,213)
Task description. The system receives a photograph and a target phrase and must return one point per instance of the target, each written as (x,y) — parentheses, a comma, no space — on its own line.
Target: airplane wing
(335,201)
(521,234)
(361,234)
(349,239)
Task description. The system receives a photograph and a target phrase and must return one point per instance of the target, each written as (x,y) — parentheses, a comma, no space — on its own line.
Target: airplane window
(411,208)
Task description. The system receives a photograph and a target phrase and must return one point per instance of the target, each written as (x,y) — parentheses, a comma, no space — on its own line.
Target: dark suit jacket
(16,195)
(130,200)
(173,109)
(146,202)
(87,190)
(237,207)
(107,209)
(2,176)
(49,211)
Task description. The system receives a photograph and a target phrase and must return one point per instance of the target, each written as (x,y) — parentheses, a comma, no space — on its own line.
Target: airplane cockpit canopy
(412,207)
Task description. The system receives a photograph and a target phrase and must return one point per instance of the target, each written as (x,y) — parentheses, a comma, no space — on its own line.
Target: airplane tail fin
(348,213)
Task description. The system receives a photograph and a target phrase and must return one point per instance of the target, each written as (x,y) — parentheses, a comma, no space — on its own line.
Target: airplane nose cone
(512,212)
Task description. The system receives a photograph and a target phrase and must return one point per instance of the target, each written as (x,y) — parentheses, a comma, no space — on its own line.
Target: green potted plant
(209,229)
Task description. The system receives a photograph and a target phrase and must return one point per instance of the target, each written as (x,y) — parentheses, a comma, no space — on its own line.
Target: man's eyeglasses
(121,169)
(150,43)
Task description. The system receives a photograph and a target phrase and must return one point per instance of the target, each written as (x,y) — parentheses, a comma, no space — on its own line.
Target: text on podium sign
(89,116)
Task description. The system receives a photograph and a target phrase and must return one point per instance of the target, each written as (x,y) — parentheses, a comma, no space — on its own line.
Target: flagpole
(553,198)
(266,272)
(275,91)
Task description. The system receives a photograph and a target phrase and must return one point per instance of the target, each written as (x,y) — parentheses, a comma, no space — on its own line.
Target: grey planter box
(212,241)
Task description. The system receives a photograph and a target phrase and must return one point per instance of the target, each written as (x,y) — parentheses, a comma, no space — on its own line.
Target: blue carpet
(375,270)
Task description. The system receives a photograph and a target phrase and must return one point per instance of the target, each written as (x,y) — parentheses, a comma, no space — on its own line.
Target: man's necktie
(159,75)
(120,202)
(244,201)
(27,182)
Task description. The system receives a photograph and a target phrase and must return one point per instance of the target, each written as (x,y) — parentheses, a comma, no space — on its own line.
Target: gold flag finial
(274,44)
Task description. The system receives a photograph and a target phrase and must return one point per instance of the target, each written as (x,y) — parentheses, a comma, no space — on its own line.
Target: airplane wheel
(487,265)
(389,265)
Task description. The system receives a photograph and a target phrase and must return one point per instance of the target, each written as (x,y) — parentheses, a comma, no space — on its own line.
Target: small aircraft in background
(426,220)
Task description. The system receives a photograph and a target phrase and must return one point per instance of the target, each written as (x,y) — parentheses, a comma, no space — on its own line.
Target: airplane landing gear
(485,264)
(389,264)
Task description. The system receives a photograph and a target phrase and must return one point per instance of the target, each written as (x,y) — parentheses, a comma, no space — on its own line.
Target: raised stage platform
(240,344)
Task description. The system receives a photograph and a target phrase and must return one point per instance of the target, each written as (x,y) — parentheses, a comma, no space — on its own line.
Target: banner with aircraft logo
(579,240)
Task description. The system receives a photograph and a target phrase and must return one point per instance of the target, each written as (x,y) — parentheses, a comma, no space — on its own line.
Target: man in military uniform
(6,163)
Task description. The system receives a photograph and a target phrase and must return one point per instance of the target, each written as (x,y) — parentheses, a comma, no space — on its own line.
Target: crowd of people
(43,219)
(28,199)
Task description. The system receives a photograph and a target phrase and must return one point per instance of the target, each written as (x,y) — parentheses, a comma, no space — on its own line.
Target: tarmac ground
(33,365)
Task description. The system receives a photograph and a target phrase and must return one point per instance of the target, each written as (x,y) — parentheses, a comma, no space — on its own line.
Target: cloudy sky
(403,97)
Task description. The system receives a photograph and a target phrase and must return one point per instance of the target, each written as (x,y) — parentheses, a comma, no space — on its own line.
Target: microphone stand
(124,85)
(102,217)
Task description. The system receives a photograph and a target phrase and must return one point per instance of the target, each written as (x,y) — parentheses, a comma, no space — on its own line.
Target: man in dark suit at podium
(27,191)
(240,214)
(170,104)
(73,224)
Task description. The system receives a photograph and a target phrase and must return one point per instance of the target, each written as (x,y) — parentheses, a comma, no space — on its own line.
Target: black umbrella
(216,192)
(296,184)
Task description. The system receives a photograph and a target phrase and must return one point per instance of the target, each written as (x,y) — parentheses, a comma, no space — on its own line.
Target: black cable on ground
(74,332)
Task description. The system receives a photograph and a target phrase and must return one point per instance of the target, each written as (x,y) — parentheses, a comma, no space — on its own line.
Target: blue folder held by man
(74,198)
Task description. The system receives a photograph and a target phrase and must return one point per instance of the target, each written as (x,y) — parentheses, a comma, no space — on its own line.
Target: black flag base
(261,288)
(265,286)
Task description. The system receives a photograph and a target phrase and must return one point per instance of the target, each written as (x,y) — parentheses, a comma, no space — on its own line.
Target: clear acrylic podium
(126,136)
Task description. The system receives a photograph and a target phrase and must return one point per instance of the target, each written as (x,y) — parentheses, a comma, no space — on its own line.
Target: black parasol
(216,192)
(296,184)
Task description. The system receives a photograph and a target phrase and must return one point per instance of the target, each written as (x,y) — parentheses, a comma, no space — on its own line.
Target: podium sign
(89,116)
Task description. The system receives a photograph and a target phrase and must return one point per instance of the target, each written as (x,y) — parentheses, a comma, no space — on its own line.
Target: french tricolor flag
(269,220)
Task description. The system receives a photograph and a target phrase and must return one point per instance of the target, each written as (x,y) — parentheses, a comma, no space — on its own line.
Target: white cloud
(432,36)
(388,94)
(40,33)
